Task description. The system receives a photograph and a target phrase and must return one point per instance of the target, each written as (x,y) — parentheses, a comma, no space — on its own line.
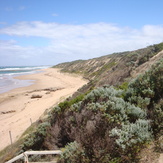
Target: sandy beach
(21,106)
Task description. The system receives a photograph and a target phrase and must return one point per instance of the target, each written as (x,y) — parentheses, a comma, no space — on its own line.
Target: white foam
(22,68)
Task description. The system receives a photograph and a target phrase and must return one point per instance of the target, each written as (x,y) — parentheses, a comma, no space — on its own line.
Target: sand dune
(22,105)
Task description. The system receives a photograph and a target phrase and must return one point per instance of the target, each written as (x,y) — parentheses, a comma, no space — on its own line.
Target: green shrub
(158,47)
(35,140)
(132,133)
(150,84)
(73,153)
(146,91)
(108,101)
(157,116)
(124,86)
(63,106)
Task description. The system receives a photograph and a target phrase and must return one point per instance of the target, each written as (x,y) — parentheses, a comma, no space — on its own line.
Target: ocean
(7,74)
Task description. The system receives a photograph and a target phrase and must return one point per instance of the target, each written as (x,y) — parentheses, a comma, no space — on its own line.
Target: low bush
(35,140)
(73,153)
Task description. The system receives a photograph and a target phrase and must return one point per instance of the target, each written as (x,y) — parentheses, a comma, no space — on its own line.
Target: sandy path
(17,109)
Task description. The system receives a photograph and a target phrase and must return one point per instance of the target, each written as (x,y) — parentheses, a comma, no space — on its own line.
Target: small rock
(36,96)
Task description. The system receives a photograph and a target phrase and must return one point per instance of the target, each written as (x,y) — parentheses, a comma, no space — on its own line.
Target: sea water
(7,74)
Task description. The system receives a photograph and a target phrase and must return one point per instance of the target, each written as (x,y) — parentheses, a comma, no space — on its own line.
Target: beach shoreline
(8,80)
(21,106)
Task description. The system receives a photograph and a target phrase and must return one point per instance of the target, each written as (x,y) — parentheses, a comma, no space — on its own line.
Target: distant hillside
(115,68)
(112,119)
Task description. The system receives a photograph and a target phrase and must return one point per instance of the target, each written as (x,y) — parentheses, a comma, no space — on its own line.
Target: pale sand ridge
(17,107)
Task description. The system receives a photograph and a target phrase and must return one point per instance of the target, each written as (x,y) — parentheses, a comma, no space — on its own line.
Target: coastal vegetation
(112,118)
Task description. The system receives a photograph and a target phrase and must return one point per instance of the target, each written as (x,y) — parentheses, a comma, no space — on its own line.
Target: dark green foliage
(67,103)
(124,86)
(64,105)
(157,117)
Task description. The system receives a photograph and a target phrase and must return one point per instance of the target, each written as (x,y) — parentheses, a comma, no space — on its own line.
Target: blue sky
(47,32)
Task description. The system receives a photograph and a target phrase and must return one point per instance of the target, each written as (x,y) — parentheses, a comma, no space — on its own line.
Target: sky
(48,32)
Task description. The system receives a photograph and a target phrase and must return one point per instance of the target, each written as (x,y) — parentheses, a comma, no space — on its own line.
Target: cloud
(11,49)
(68,42)
(55,30)
(153,31)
